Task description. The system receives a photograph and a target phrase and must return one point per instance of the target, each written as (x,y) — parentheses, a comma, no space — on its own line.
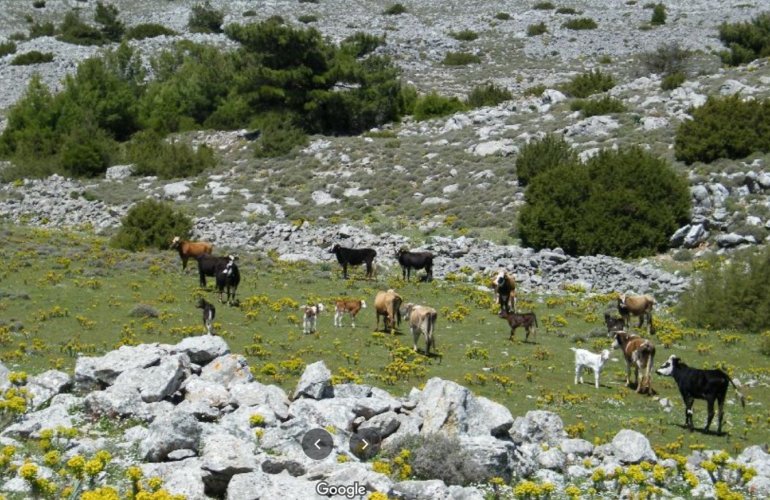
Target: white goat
(588,359)
(311,315)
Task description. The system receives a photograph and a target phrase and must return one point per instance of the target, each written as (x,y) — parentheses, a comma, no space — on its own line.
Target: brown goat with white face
(192,249)
(350,307)
(639,353)
(637,305)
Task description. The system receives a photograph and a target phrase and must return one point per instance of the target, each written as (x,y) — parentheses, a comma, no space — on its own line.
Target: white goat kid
(588,359)
(311,315)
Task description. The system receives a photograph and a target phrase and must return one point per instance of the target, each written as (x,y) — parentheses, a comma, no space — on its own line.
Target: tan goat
(388,305)
(639,353)
(637,305)
(422,319)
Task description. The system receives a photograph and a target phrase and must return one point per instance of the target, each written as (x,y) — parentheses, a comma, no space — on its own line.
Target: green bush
(488,94)
(205,19)
(536,29)
(152,155)
(538,156)
(589,83)
(359,44)
(32,57)
(441,457)
(624,203)
(566,10)
(307,18)
(45,29)
(503,16)
(395,10)
(7,48)
(658,15)
(460,59)
(249,13)
(73,30)
(85,152)
(107,16)
(666,59)
(18,36)
(151,224)
(672,81)
(535,90)
(593,107)
(434,105)
(746,41)
(583,23)
(730,295)
(464,35)
(279,135)
(544,6)
(38,4)
(724,127)
(148,30)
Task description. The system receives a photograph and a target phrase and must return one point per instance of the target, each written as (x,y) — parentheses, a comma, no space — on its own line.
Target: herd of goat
(638,352)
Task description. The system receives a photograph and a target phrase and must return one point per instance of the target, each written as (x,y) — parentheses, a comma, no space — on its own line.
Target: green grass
(81,292)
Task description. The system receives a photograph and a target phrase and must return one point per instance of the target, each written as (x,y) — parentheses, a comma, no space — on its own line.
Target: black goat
(227,279)
(208,265)
(209,311)
(415,260)
(614,323)
(354,257)
(695,384)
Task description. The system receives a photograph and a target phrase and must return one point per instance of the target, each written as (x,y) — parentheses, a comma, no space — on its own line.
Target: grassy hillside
(63,293)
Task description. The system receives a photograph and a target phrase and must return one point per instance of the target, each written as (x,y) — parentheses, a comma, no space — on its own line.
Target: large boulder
(46,385)
(118,401)
(156,382)
(538,426)
(223,456)
(495,456)
(32,423)
(256,394)
(417,490)
(632,447)
(175,431)
(183,477)
(315,382)
(4,372)
(212,394)
(203,348)
(93,372)
(227,370)
(259,485)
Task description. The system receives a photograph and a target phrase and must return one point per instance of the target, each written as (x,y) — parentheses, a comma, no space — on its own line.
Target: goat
(208,265)
(209,311)
(504,286)
(311,316)
(354,257)
(350,307)
(422,319)
(388,305)
(637,305)
(527,320)
(588,359)
(192,249)
(694,383)
(614,323)
(227,279)
(415,260)
(639,353)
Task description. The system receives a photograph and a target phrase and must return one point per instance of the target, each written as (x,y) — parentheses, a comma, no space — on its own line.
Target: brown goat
(527,320)
(640,353)
(504,286)
(350,307)
(388,305)
(637,305)
(192,249)
(422,319)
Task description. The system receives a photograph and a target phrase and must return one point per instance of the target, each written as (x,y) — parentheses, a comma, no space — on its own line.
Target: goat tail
(738,390)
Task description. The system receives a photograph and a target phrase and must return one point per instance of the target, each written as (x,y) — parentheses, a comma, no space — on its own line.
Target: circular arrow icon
(365,443)
(317,444)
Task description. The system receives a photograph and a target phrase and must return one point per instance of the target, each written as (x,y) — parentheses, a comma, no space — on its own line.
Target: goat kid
(209,311)
(588,359)
(311,316)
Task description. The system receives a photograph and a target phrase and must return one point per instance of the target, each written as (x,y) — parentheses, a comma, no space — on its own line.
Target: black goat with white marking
(695,383)
(415,260)
(209,312)
(208,265)
(228,278)
(354,257)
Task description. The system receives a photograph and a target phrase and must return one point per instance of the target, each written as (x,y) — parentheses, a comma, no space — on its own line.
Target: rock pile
(209,430)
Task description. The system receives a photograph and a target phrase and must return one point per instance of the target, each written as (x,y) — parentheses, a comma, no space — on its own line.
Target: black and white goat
(695,383)
(311,317)
(209,311)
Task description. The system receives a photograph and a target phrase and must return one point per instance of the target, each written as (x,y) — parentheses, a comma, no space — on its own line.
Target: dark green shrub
(39,4)
(434,105)
(7,48)
(359,44)
(589,83)
(438,456)
(148,30)
(544,6)
(488,94)
(666,59)
(308,1)
(536,29)
(593,107)
(279,135)
(32,57)
(503,16)
(395,10)
(45,29)
(464,35)
(107,16)
(73,30)
(307,18)
(249,13)
(151,224)
(566,10)
(725,127)
(460,59)
(649,5)
(672,81)
(658,15)
(535,90)
(605,59)
(624,203)
(746,41)
(730,295)
(583,23)
(152,155)
(538,156)
(205,19)
(85,152)
(31,129)
(17,36)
